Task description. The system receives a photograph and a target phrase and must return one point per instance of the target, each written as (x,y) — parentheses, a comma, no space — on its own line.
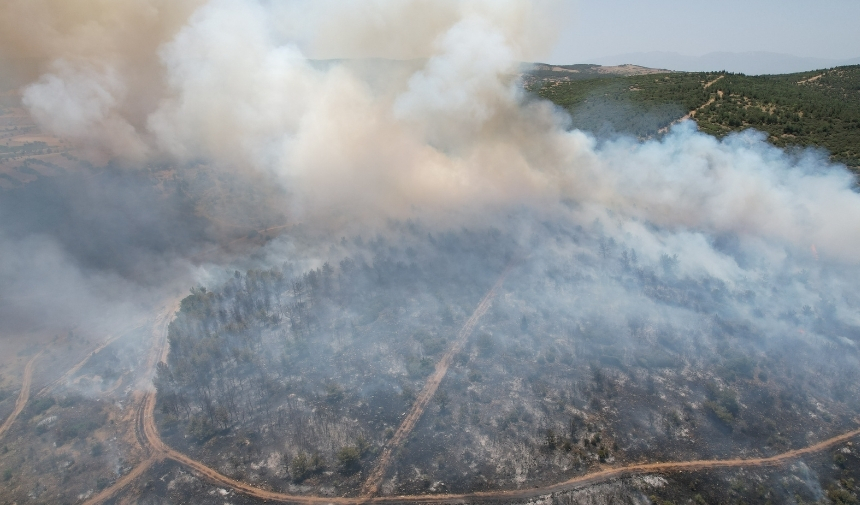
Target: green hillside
(819,108)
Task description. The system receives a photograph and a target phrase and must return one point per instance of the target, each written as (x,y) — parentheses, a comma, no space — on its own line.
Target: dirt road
(517,494)
(145,407)
(149,438)
(692,113)
(374,480)
(623,471)
(23,396)
(122,482)
(709,84)
(72,371)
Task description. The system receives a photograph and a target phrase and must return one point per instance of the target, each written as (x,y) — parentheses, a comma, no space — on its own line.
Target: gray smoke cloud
(292,95)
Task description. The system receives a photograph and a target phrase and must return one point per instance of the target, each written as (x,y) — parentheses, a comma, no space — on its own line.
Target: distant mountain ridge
(532,73)
(750,63)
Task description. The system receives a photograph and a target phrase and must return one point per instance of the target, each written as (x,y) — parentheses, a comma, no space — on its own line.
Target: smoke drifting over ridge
(446,136)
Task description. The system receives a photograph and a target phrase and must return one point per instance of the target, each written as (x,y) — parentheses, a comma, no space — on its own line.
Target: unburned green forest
(818,108)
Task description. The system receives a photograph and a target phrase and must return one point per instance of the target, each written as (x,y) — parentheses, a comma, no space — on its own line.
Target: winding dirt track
(709,84)
(518,494)
(23,396)
(374,480)
(692,113)
(145,408)
(71,371)
(158,450)
(122,482)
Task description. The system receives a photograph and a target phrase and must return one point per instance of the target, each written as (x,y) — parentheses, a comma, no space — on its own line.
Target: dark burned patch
(604,362)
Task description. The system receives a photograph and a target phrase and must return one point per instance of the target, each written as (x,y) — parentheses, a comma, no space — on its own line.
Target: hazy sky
(821,29)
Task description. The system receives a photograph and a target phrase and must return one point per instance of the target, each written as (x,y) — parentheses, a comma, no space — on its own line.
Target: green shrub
(303,466)
(39,405)
(348,460)
(841,496)
(300,467)
(720,412)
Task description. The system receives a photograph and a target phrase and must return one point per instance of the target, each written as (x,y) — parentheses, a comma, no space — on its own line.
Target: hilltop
(819,108)
(542,73)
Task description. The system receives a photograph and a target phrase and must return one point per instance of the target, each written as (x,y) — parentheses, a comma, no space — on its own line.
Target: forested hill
(817,108)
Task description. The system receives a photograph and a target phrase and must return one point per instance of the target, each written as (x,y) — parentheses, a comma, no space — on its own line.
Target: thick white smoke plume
(79,103)
(368,111)
(242,93)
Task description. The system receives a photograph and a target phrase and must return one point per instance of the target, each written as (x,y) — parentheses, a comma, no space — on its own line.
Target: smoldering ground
(447,137)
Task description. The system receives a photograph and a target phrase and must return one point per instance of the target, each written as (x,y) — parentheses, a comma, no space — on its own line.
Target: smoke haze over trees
(448,138)
(342,182)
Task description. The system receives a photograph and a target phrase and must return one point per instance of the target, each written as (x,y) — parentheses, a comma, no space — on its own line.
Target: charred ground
(297,377)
